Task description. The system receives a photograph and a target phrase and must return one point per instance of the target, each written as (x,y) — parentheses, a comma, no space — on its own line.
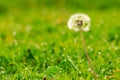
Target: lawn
(36,44)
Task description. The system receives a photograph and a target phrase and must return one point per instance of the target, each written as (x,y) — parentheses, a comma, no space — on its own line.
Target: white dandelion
(79,22)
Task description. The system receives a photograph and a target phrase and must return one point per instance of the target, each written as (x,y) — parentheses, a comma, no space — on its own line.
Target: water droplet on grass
(99,52)
(26,68)
(81,78)
(2,72)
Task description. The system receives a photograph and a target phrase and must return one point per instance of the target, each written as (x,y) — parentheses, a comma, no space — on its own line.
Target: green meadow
(36,43)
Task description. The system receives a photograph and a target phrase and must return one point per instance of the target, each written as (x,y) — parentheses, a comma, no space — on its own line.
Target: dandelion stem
(85,49)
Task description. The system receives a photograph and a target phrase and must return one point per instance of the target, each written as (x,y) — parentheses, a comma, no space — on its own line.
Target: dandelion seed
(79,22)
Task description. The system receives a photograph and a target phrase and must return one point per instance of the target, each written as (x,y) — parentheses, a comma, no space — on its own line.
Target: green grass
(37,44)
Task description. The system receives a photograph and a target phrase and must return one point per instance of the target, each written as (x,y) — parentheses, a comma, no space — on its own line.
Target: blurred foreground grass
(35,42)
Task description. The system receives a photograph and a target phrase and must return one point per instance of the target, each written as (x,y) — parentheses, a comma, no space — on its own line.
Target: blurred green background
(7,6)
(35,41)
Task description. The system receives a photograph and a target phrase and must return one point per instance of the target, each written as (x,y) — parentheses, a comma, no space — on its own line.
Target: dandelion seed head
(79,22)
